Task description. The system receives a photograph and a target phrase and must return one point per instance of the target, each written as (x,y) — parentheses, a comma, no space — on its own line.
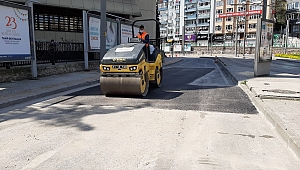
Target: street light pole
(244,46)
(29,3)
(103,29)
(208,35)
(236,33)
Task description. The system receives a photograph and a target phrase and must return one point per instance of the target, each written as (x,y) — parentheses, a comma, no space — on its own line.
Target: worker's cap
(142,27)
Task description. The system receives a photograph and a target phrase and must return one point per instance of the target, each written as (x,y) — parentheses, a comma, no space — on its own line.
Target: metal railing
(53,53)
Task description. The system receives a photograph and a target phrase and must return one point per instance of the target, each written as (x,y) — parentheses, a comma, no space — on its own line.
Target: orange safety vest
(143,36)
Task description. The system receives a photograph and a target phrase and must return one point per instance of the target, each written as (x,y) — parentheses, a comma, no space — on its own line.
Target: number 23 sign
(11,22)
(14,33)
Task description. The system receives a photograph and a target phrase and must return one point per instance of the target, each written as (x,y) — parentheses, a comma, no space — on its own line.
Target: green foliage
(292,56)
(280,9)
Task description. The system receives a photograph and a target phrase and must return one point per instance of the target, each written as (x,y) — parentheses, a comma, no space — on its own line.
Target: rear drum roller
(144,84)
(158,77)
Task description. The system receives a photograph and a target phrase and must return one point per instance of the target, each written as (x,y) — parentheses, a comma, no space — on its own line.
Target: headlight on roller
(106,68)
(133,68)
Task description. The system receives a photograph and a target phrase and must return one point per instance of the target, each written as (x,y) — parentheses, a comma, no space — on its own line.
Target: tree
(280,14)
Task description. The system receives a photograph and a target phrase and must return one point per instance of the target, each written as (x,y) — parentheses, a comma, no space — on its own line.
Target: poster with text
(177,48)
(14,33)
(266,41)
(126,33)
(94,34)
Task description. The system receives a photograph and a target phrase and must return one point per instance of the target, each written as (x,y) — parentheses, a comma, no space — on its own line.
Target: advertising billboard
(14,34)
(126,33)
(191,37)
(266,40)
(94,33)
(233,14)
(177,48)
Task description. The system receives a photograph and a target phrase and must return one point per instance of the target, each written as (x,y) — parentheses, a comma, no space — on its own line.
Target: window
(219,11)
(255,16)
(218,28)
(241,26)
(229,19)
(52,22)
(218,19)
(241,9)
(229,10)
(219,3)
(251,35)
(229,27)
(252,26)
(229,2)
(255,7)
(295,28)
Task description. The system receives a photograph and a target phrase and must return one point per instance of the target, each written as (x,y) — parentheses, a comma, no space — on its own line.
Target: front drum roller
(132,86)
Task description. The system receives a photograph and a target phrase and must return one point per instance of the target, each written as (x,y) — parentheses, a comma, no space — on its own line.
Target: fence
(55,53)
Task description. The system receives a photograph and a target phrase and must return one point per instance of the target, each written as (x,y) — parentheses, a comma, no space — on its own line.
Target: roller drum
(135,86)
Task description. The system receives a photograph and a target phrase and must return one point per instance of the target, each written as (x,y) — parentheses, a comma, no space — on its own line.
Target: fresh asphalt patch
(194,88)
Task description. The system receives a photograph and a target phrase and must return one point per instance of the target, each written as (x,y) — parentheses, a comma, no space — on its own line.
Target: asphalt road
(198,119)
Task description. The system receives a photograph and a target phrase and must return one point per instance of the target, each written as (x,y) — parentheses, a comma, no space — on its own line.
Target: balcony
(190,25)
(193,9)
(163,22)
(163,35)
(190,2)
(163,29)
(191,17)
(241,30)
(201,16)
(200,8)
(203,24)
(163,8)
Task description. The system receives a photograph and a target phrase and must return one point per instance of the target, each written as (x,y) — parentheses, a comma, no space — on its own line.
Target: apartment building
(293,15)
(237,17)
(191,15)
(231,17)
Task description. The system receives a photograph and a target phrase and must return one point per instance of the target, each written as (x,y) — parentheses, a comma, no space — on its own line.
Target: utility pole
(208,36)
(287,35)
(236,33)
(103,29)
(245,15)
(33,60)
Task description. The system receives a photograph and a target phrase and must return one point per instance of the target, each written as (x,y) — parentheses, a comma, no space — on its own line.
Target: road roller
(130,68)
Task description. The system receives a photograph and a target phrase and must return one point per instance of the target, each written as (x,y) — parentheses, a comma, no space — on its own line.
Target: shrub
(292,56)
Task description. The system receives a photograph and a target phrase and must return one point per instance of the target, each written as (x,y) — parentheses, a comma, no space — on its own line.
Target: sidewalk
(277,96)
(20,91)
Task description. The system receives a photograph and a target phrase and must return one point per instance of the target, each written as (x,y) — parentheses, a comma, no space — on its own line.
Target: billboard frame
(88,31)
(21,57)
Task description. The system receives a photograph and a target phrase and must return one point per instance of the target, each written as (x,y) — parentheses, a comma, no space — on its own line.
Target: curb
(289,137)
(222,64)
(24,99)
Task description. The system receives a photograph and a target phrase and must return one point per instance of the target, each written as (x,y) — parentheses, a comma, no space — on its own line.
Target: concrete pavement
(277,96)
(21,91)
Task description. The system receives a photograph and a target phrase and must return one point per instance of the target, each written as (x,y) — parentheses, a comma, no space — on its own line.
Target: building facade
(225,19)
(191,17)
(293,15)
(62,21)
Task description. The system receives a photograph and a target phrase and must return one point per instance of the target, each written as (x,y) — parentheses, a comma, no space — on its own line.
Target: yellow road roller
(128,69)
